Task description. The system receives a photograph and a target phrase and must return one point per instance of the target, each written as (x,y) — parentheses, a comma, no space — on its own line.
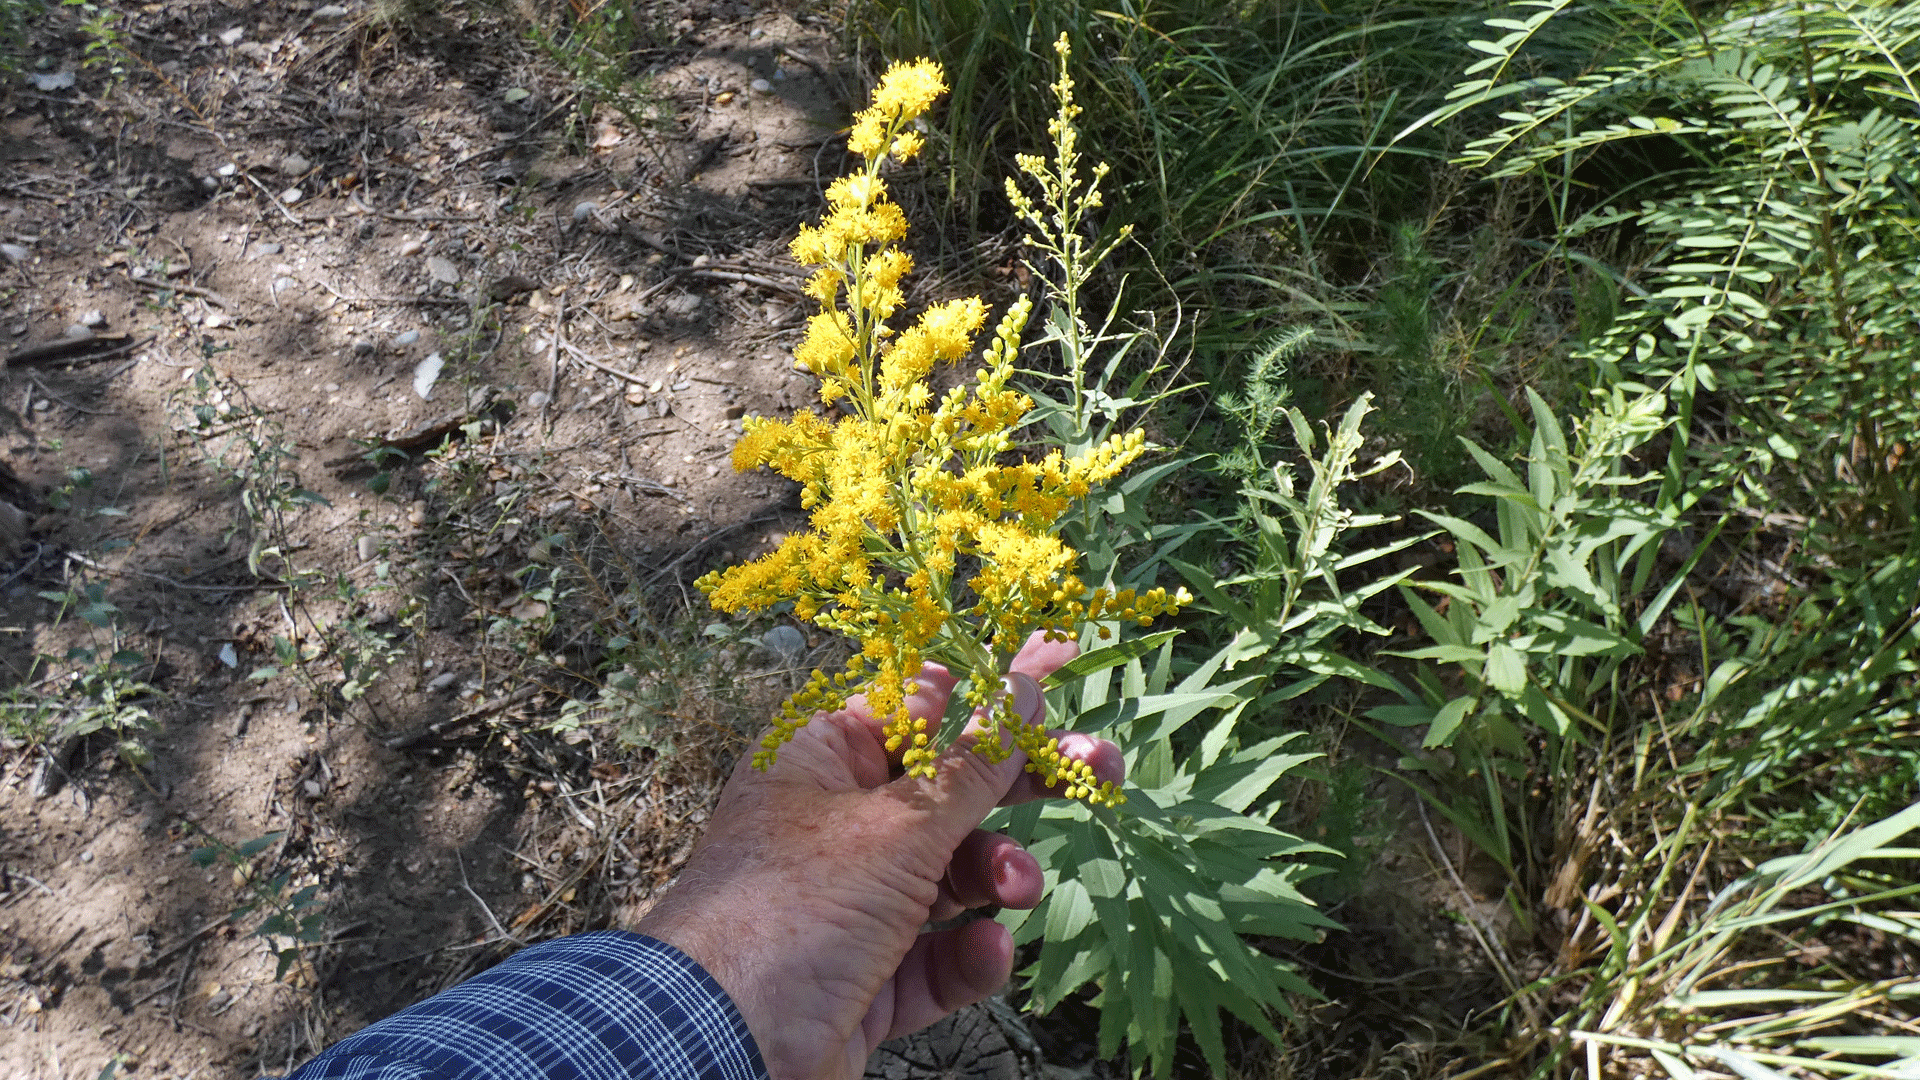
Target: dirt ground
(270,225)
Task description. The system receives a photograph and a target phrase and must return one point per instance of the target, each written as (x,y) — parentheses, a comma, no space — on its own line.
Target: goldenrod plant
(927,542)
(934,540)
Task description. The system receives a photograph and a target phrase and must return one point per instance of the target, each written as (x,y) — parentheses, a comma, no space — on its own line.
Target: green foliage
(15,17)
(1783,247)
(1288,604)
(599,51)
(243,443)
(1257,409)
(1152,903)
(94,687)
(664,682)
(1700,990)
(1545,611)
(1156,903)
(1248,135)
(1815,711)
(293,918)
(106,45)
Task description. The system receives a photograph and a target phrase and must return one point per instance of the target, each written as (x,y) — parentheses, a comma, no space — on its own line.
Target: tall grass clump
(1247,135)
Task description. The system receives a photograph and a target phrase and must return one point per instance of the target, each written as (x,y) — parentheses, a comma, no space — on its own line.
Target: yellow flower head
(905,92)
(926,540)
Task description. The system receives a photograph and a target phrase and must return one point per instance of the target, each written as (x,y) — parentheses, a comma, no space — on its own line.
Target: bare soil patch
(267,225)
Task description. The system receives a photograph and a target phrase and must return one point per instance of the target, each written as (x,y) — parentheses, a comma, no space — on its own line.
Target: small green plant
(600,51)
(293,919)
(245,445)
(15,17)
(1543,614)
(106,45)
(665,682)
(78,479)
(94,687)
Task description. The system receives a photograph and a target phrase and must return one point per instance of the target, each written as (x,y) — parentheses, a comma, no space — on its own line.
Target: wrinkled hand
(806,897)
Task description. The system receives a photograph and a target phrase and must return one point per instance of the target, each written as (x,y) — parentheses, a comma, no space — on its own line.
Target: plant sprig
(926,544)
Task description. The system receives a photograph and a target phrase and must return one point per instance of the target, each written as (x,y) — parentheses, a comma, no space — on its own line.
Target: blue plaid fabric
(608,1004)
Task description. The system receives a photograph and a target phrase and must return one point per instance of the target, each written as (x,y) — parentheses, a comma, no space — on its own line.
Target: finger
(987,869)
(967,785)
(926,696)
(1040,658)
(930,688)
(949,970)
(1103,755)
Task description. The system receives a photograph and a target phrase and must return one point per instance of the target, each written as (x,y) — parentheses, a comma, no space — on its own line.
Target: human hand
(806,896)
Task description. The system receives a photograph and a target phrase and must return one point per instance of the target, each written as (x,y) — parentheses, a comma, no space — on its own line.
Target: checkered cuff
(602,1005)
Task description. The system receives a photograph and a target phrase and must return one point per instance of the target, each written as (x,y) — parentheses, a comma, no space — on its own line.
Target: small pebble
(86,856)
(42,405)
(282,284)
(78,331)
(268,248)
(444,680)
(93,320)
(584,210)
(46,84)
(425,373)
(363,347)
(295,165)
(443,270)
(226,170)
(762,85)
(405,338)
(537,399)
(411,246)
(292,195)
(417,513)
(163,880)
(312,788)
(232,36)
(15,253)
(330,11)
(332,388)
(214,320)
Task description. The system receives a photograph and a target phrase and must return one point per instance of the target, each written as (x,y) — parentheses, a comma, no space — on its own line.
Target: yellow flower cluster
(925,544)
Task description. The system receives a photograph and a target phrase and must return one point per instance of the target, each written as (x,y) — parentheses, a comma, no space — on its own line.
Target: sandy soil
(265,235)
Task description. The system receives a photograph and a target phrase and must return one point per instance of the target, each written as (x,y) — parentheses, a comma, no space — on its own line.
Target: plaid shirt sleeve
(591,1006)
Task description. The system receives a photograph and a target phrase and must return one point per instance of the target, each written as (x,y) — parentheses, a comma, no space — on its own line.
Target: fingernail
(1028,700)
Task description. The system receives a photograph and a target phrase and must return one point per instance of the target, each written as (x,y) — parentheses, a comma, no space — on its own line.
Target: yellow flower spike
(904,487)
